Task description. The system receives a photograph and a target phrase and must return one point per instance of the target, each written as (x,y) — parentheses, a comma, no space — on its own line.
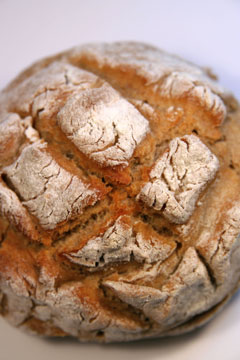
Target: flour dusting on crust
(179,177)
(103,125)
(11,135)
(221,247)
(119,244)
(48,191)
(12,208)
(187,292)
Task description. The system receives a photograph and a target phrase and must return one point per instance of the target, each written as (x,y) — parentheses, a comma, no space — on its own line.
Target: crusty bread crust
(119,195)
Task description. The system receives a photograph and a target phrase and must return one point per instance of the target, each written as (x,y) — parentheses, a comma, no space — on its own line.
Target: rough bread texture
(119,195)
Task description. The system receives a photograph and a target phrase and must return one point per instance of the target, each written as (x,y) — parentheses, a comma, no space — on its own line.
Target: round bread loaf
(119,194)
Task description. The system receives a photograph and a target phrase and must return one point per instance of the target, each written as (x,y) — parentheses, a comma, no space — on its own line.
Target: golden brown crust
(119,195)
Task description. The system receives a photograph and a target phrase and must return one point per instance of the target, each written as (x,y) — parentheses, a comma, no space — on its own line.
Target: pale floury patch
(220,246)
(34,93)
(12,208)
(103,125)
(49,192)
(11,135)
(178,178)
(119,243)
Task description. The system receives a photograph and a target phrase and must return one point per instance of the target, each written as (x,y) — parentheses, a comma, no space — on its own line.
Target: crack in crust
(178,178)
(49,192)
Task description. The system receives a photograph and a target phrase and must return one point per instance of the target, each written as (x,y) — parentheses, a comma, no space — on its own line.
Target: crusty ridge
(109,267)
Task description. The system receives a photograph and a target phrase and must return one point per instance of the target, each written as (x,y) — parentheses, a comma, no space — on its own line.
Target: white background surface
(205,32)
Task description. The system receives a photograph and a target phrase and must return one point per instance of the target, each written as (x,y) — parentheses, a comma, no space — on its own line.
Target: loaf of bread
(119,195)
